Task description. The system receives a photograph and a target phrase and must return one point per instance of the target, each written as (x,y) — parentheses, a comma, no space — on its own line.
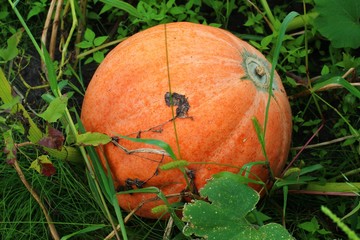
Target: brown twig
(327,87)
(80,30)
(55,29)
(169,227)
(51,225)
(262,14)
(46,28)
(303,148)
(324,143)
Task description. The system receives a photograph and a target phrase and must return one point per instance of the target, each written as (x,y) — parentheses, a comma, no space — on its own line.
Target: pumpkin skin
(224,80)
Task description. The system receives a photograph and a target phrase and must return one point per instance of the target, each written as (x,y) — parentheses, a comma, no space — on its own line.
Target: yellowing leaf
(39,163)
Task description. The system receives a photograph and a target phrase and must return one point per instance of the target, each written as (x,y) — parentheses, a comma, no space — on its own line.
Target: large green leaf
(339,21)
(224,216)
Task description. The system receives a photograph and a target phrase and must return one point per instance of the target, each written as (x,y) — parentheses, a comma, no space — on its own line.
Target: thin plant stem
(302,149)
(81,29)
(22,21)
(263,14)
(67,42)
(37,198)
(84,54)
(170,90)
(269,14)
(324,143)
(46,25)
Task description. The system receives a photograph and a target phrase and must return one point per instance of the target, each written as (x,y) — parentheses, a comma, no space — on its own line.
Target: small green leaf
(98,56)
(325,70)
(37,8)
(99,40)
(89,35)
(93,139)
(55,110)
(311,226)
(266,41)
(11,51)
(84,44)
(224,217)
(339,22)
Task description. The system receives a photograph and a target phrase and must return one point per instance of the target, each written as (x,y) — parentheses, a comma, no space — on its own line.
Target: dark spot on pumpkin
(179,100)
(129,183)
(192,187)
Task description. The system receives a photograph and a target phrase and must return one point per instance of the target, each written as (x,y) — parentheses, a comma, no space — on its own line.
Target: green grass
(65,194)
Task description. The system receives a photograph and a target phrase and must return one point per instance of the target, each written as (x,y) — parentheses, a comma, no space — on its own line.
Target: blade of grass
(274,62)
(51,75)
(102,182)
(337,80)
(351,234)
(23,23)
(351,128)
(155,142)
(85,230)
(123,6)
(269,14)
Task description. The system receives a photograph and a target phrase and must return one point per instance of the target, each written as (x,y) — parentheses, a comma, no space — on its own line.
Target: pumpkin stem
(260,70)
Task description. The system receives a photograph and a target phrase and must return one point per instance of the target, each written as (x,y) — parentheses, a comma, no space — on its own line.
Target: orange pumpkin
(218,83)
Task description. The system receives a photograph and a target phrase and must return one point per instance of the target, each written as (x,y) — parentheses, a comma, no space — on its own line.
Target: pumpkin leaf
(93,139)
(339,22)
(224,217)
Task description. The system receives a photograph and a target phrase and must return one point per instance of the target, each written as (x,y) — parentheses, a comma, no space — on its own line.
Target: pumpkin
(196,88)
